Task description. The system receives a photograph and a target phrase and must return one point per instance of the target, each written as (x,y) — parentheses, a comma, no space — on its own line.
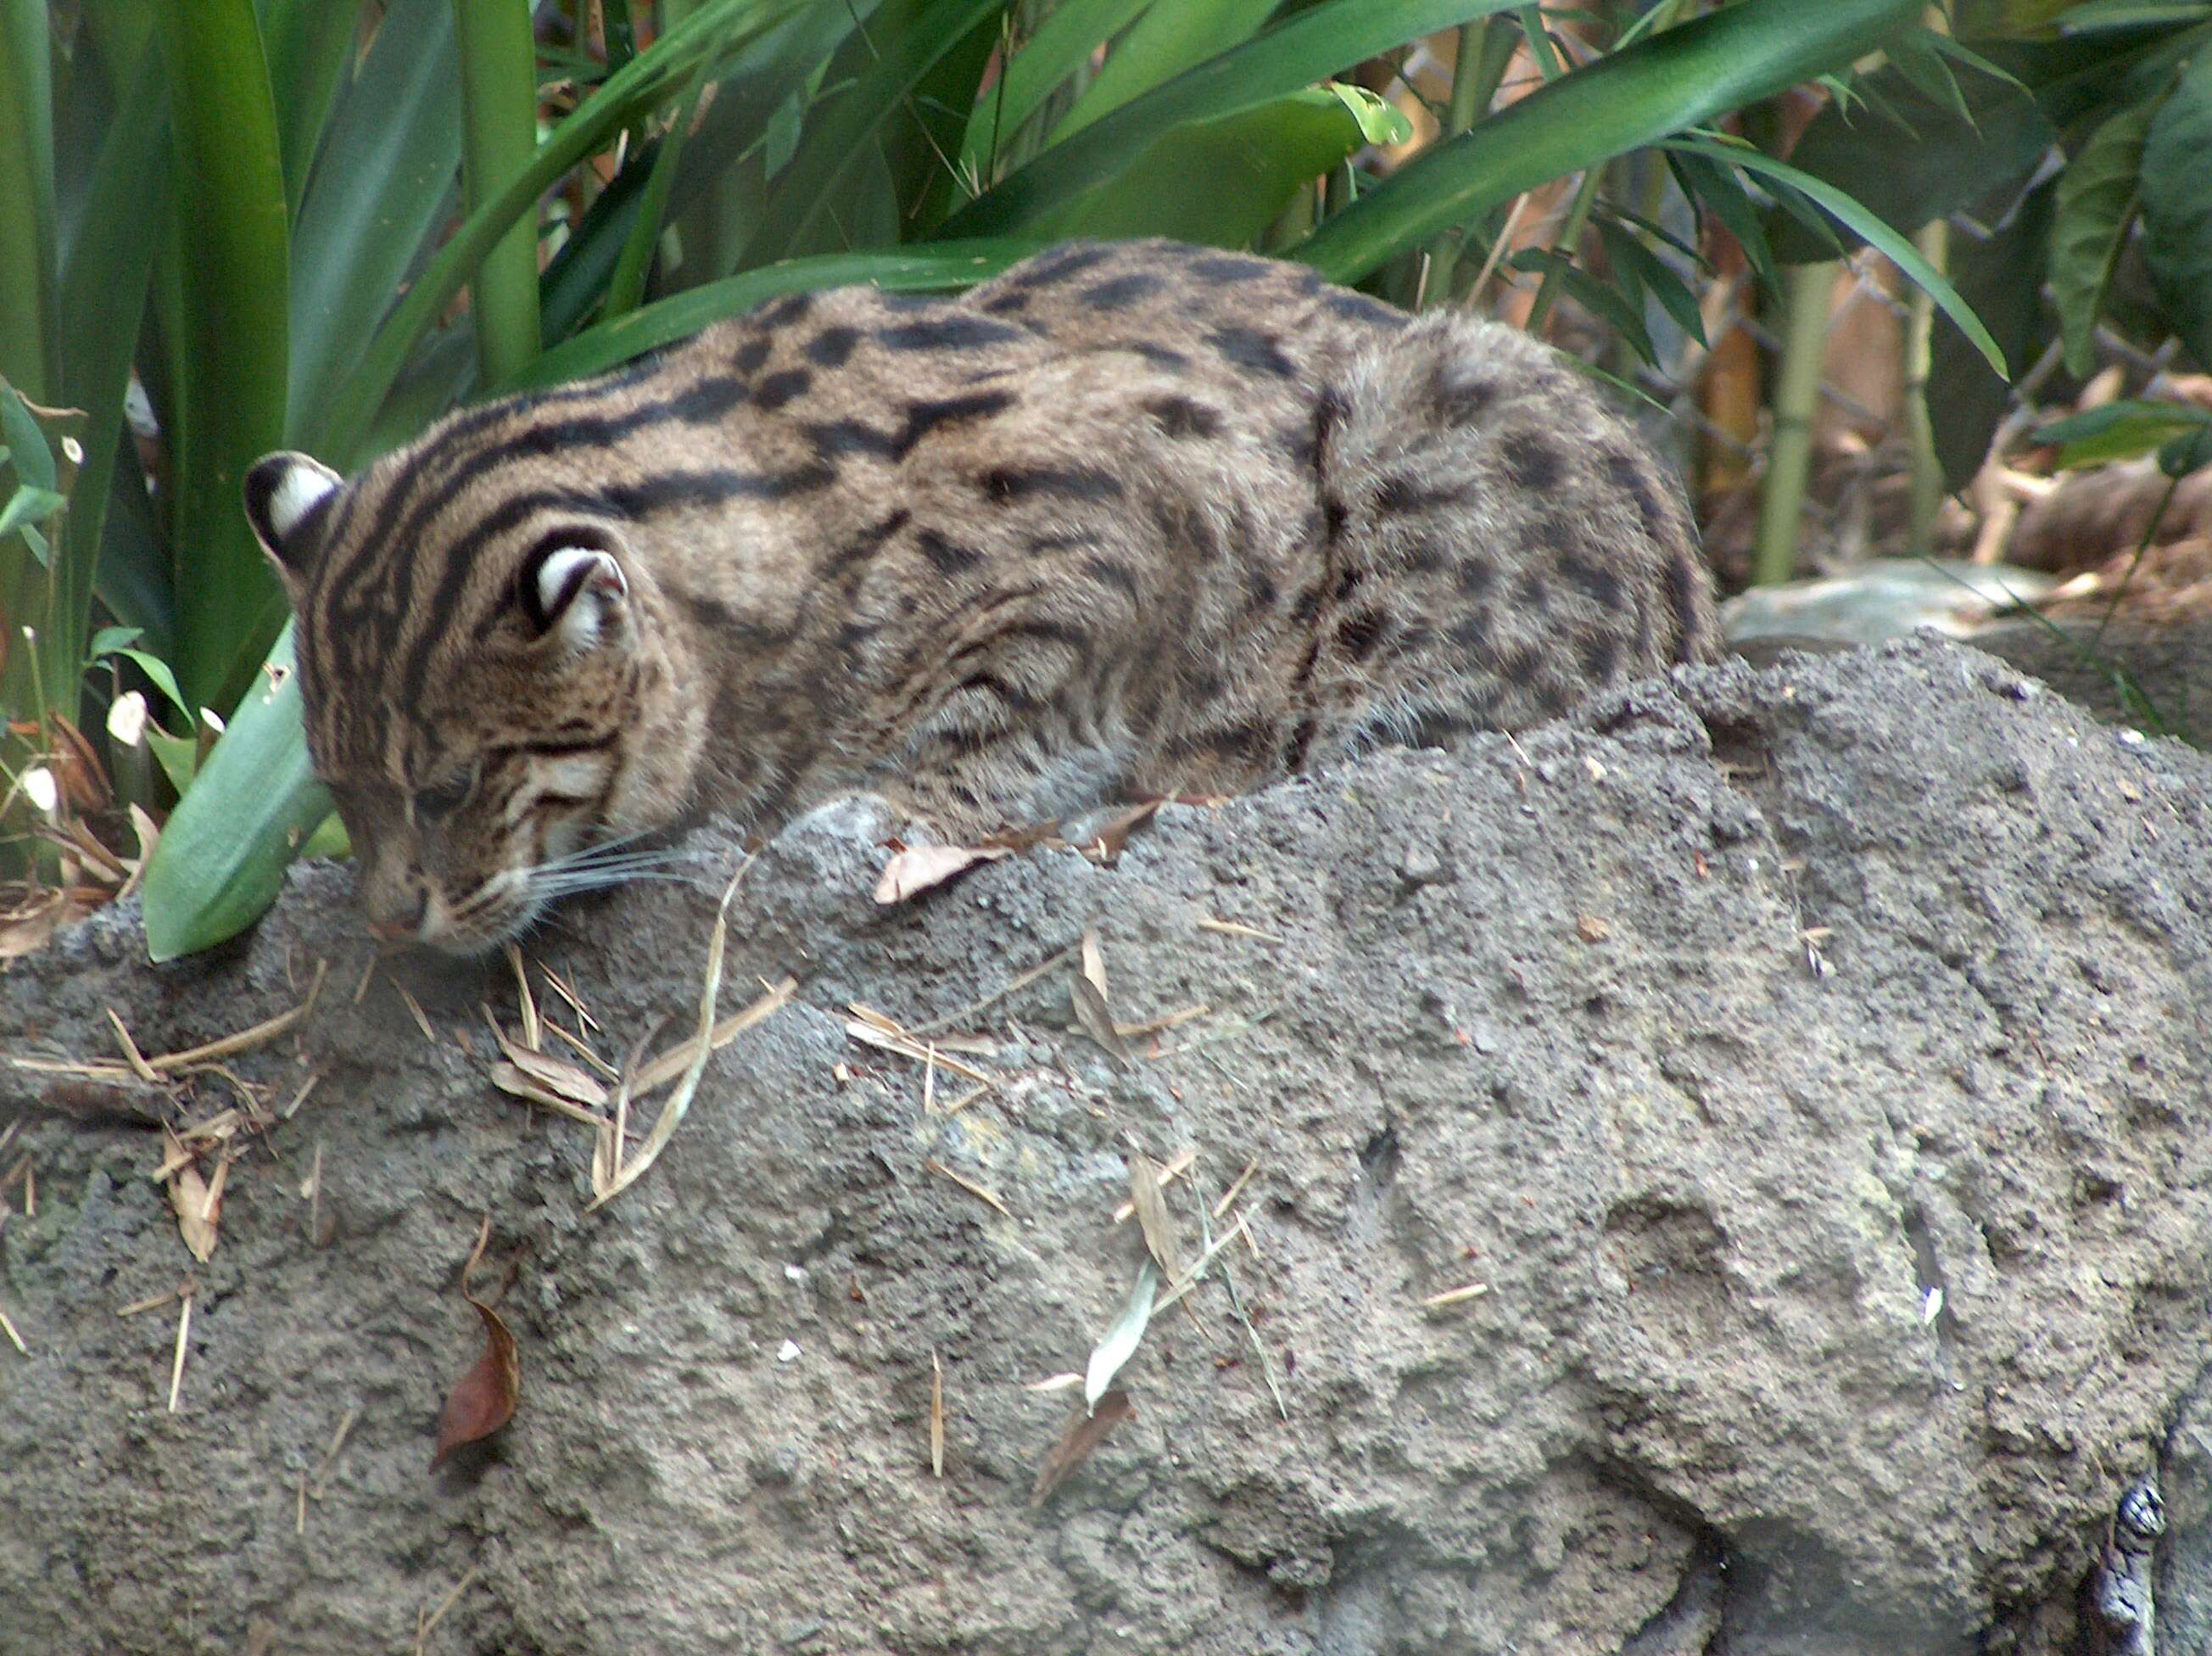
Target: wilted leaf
(1119,1343)
(556,1075)
(1083,1435)
(1153,1216)
(482,1399)
(197,1202)
(1109,842)
(920,868)
(1094,963)
(1097,1022)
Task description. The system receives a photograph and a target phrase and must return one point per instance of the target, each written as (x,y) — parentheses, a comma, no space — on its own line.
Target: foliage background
(243,225)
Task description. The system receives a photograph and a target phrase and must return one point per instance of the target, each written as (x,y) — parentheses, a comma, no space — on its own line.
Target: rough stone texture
(1714,1031)
(2167,665)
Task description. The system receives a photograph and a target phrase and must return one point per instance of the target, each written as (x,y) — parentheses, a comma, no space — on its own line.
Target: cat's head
(472,663)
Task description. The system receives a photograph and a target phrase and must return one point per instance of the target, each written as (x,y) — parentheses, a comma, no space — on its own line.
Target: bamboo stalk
(1790,446)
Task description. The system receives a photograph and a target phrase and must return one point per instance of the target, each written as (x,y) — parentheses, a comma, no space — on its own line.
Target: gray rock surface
(1812,1067)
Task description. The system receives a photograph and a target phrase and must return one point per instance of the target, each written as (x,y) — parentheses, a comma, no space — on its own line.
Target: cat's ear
(285,494)
(573,590)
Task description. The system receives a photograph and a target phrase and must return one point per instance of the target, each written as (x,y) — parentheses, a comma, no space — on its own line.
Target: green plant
(307,269)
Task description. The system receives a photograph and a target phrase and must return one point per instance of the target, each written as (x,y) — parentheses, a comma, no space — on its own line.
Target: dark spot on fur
(1629,476)
(1117,292)
(1531,461)
(1307,609)
(1300,739)
(1424,556)
(1230,267)
(1158,356)
(1348,582)
(949,557)
(1010,303)
(1251,348)
(1332,517)
(777,389)
(1462,397)
(1107,573)
(1059,266)
(1593,578)
(784,312)
(1183,417)
(949,332)
(1533,595)
(830,347)
(1599,655)
(1475,575)
(1358,307)
(1682,586)
(750,355)
(1357,637)
(1260,593)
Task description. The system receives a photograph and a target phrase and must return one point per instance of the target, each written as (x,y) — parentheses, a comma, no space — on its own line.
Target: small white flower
(38,783)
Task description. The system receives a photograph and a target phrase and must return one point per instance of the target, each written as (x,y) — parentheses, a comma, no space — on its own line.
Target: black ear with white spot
(285,496)
(573,590)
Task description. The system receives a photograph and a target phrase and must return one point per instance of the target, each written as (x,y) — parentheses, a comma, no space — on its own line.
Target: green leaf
(1642,270)
(311,48)
(1218,182)
(1607,304)
(499,136)
(2096,204)
(27,223)
(1319,42)
(2001,277)
(1064,42)
(1716,189)
(654,74)
(380,195)
(2092,16)
(1665,83)
(1165,41)
(2120,431)
(1949,159)
(230,185)
(1899,251)
(28,506)
(26,444)
(2190,452)
(220,859)
(164,681)
(909,38)
(625,285)
(111,638)
(1381,121)
(2176,208)
(934,267)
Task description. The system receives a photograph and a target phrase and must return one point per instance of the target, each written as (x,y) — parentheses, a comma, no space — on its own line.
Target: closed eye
(447,795)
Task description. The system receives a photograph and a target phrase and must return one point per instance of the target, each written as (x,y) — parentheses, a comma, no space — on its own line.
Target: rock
(1840,1218)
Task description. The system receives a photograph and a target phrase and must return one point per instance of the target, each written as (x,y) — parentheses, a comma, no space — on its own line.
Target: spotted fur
(1130,519)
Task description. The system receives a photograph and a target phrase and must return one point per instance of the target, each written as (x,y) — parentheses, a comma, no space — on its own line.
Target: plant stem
(1789,447)
(1920,427)
(498,139)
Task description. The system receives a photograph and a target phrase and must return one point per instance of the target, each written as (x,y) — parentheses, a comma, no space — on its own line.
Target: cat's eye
(447,796)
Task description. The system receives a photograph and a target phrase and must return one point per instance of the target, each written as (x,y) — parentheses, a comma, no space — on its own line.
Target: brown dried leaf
(481,1400)
(78,769)
(1153,1218)
(198,1203)
(1107,842)
(919,868)
(1083,1435)
(571,1081)
(1097,1021)
(936,1415)
(1592,929)
(29,928)
(1094,964)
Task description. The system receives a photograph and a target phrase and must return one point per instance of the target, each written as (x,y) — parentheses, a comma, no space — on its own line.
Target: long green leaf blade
(230,183)
(1660,86)
(1293,55)
(220,859)
(498,121)
(1061,45)
(1163,43)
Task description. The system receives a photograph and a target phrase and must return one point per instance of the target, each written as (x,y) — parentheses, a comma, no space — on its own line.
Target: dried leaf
(920,868)
(481,1400)
(1094,964)
(1083,1435)
(1097,1021)
(1107,844)
(1592,929)
(1119,1343)
(199,1206)
(1153,1218)
(577,1085)
(28,930)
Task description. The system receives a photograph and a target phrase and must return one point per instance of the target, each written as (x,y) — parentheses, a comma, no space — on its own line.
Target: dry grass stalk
(300,1097)
(1230,1194)
(1020,982)
(246,1040)
(1054,1382)
(15,1339)
(936,1415)
(183,1335)
(1456,1296)
(414,1006)
(967,1099)
(132,1055)
(972,1188)
(583,1050)
(157,1301)
(567,992)
(1164,1023)
(533,1037)
(427,1624)
(1236,928)
(921,1051)
(1197,1272)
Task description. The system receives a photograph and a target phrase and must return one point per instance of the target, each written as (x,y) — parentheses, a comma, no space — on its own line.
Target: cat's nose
(402,922)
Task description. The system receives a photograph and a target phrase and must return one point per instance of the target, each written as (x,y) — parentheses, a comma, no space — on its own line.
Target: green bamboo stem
(1927,496)
(1789,445)
(498,139)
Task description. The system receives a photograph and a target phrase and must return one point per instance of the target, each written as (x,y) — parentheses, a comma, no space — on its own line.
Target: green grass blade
(26,199)
(230,186)
(311,46)
(379,195)
(101,301)
(1663,84)
(1288,57)
(1898,249)
(625,287)
(1063,44)
(901,46)
(647,79)
(1161,45)
(499,123)
(220,859)
(933,267)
